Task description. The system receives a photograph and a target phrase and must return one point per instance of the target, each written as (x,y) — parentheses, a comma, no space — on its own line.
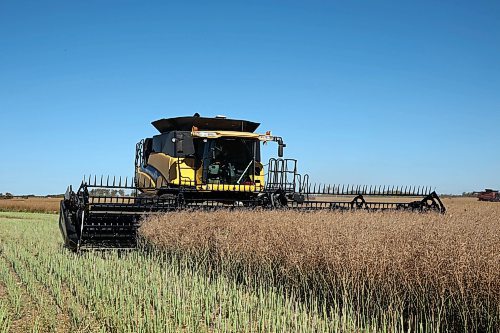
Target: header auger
(211,163)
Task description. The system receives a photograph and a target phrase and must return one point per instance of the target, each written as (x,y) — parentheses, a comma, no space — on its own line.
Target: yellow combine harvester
(203,158)
(211,163)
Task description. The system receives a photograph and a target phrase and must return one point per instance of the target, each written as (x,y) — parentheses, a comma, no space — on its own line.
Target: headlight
(204,134)
(266,138)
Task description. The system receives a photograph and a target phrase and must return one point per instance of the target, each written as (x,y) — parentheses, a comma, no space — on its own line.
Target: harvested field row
(432,271)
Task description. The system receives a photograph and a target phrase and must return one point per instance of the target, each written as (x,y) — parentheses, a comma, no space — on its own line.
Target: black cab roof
(203,123)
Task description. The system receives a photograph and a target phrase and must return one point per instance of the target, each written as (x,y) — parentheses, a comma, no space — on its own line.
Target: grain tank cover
(204,124)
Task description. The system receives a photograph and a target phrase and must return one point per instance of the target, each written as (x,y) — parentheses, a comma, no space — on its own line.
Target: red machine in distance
(489,195)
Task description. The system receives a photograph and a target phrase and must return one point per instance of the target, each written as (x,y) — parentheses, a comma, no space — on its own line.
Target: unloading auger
(211,163)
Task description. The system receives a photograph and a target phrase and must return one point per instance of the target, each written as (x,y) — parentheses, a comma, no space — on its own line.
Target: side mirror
(280,149)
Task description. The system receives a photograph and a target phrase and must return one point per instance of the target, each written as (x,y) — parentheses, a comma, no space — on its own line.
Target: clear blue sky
(364,92)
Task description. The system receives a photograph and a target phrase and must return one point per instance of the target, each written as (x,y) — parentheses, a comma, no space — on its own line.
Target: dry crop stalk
(420,264)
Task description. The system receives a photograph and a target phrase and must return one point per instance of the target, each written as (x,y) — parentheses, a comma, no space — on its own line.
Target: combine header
(211,163)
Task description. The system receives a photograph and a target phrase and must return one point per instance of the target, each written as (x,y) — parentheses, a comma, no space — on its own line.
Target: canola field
(260,272)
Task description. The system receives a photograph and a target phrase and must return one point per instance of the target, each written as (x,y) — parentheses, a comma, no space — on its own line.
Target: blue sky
(380,92)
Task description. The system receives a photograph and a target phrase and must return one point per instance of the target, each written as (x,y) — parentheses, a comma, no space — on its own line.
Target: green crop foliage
(4,318)
(133,291)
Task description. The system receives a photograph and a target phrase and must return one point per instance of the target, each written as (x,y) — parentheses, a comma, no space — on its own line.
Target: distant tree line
(6,195)
(105,192)
(463,194)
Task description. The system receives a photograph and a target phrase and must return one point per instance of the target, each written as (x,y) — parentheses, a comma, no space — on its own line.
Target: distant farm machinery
(489,195)
(211,163)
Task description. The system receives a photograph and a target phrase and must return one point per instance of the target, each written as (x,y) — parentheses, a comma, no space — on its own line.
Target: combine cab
(211,163)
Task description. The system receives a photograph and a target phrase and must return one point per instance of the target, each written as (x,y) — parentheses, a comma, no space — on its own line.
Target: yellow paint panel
(230,188)
(185,169)
(163,163)
(176,171)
